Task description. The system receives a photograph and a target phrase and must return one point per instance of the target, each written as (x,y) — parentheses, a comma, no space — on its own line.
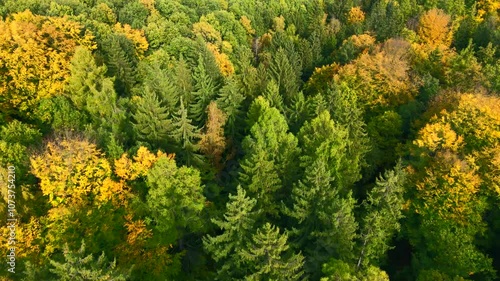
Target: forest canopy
(353,140)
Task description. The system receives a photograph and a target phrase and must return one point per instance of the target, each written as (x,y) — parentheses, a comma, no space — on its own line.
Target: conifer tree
(323,206)
(185,134)
(175,198)
(346,111)
(79,267)
(237,226)
(268,256)
(205,91)
(270,154)
(383,212)
(121,60)
(230,100)
(286,75)
(152,123)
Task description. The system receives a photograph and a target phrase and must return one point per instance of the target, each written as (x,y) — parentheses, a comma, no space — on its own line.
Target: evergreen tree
(120,58)
(237,226)
(185,134)
(346,111)
(79,267)
(383,211)
(156,74)
(270,154)
(322,203)
(230,100)
(205,91)
(175,198)
(286,71)
(152,123)
(268,256)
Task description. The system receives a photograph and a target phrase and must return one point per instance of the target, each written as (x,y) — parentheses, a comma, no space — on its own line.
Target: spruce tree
(270,158)
(268,256)
(79,267)
(322,211)
(230,100)
(237,227)
(152,123)
(185,134)
(383,211)
(205,91)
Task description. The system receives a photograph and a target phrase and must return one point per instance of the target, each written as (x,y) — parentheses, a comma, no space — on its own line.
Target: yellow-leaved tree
(35,53)
(381,78)
(455,175)
(74,172)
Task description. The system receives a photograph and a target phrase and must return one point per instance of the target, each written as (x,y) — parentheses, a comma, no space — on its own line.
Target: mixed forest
(353,140)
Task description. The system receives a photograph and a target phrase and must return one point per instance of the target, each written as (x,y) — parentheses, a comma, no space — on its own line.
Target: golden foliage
(148,4)
(279,24)
(434,29)
(356,15)
(127,169)
(207,32)
(26,236)
(449,187)
(70,171)
(461,148)
(382,78)
(225,65)
(35,53)
(137,231)
(485,7)
(438,136)
(321,78)
(362,41)
(213,143)
(136,36)
(247,24)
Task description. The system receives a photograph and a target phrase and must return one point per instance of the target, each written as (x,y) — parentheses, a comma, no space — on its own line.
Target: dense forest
(328,140)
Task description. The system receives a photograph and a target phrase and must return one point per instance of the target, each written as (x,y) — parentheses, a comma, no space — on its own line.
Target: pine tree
(323,205)
(383,212)
(260,178)
(237,227)
(185,134)
(152,123)
(79,267)
(272,94)
(346,111)
(121,60)
(183,81)
(268,256)
(205,91)
(270,151)
(326,226)
(322,137)
(156,74)
(230,100)
(286,74)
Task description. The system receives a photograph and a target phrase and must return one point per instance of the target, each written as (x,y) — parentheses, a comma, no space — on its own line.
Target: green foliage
(383,211)
(185,133)
(270,155)
(237,226)
(268,256)
(175,198)
(152,123)
(294,107)
(78,266)
(205,91)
